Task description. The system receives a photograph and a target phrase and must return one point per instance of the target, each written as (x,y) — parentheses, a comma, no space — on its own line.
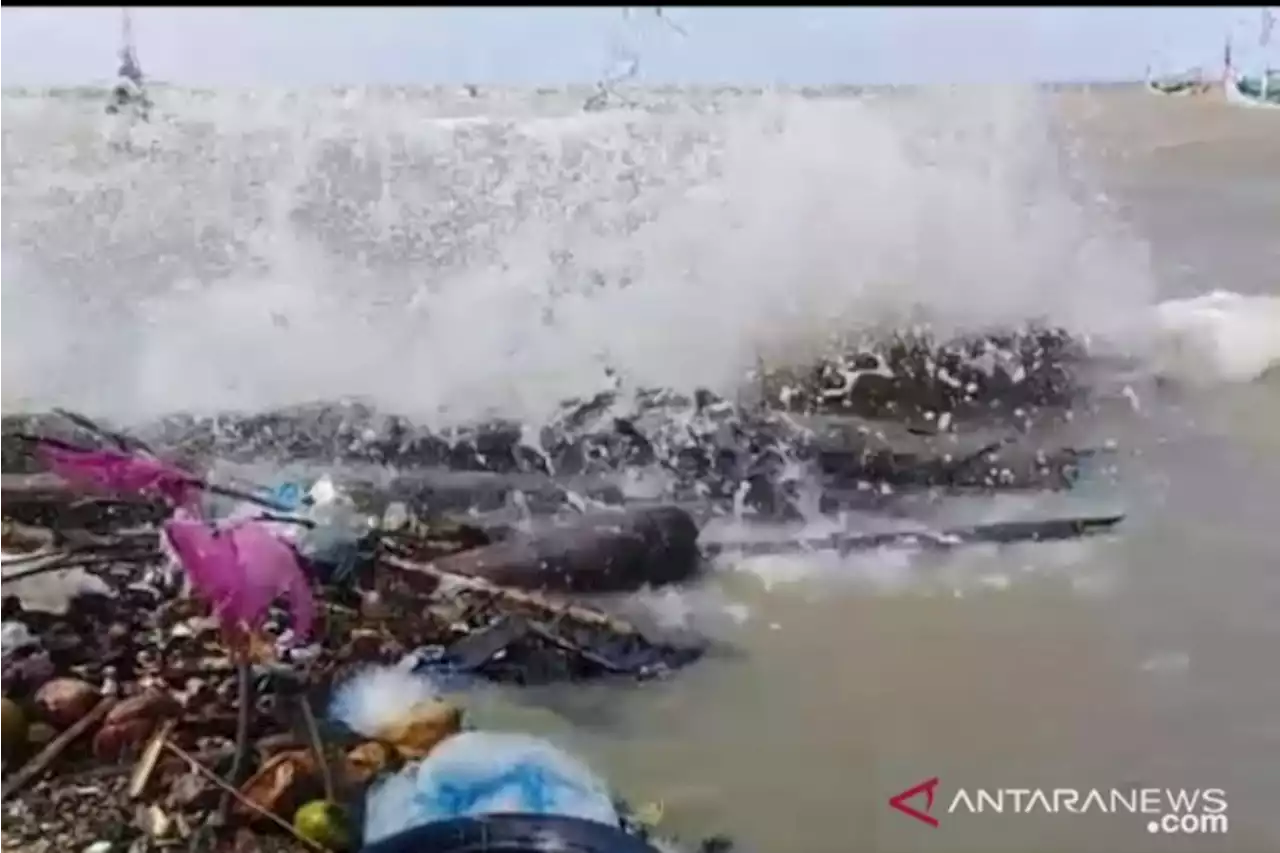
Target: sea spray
(268,249)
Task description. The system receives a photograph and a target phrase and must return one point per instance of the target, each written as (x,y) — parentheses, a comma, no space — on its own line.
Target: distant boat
(1192,81)
(129,95)
(1187,83)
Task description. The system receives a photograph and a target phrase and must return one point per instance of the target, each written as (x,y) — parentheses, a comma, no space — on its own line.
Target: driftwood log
(606,552)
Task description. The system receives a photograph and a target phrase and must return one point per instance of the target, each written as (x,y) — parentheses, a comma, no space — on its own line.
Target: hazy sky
(794,45)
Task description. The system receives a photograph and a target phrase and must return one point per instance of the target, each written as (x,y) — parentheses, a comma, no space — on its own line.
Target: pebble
(187,789)
(154,821)
(63,701)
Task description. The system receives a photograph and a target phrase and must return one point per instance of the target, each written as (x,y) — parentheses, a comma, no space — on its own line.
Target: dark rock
(913,373)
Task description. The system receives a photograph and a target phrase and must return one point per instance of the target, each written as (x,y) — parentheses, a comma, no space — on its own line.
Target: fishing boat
(129,95)
(1179,85)
(1260,89)
(1191,82)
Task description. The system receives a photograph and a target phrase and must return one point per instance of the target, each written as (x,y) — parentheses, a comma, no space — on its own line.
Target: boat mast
(129,67)
(1264,39)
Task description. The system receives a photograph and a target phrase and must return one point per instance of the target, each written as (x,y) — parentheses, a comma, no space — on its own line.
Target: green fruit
(13,726)
(324,823)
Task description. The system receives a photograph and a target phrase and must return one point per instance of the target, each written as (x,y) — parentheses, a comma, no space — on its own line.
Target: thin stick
(247,497)
(52,442)
(120,440)
(149,760)
(126,768)
(317,746)
(230,791)
(999,533)
(240,761)
(287,519)
(517,597)
(31,557)
(45,758)
(225,491)
(67,561)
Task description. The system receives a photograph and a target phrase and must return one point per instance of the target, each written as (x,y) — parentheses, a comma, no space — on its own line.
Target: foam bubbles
(1219,336)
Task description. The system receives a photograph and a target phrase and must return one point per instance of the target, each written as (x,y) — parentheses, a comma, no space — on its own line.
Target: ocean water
(454,257)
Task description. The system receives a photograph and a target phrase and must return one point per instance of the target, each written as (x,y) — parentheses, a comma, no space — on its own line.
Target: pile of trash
(455,785)
(217,614)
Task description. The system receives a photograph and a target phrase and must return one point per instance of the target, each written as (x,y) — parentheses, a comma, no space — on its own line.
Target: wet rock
(26,670)
(284,781)
(914,372)
(63,701)
(130,723)
(39,734)
(191,790)
(61,639)
(115,742)
(155,822)
(13,723)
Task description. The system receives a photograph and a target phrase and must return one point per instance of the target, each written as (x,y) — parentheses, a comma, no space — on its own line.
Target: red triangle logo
(899,801)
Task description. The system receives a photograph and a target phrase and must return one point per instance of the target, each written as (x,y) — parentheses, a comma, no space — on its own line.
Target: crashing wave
(954,417)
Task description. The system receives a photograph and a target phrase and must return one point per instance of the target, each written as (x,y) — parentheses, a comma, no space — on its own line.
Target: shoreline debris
(132,714)
(172,681)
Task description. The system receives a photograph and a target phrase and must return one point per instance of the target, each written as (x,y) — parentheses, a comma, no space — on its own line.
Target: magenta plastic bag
(240,569)
(120,473)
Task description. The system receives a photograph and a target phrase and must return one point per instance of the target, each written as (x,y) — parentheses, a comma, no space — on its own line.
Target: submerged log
(599,553)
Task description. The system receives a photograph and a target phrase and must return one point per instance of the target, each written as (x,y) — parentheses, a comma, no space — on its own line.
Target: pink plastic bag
(119,473)
(240,570)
